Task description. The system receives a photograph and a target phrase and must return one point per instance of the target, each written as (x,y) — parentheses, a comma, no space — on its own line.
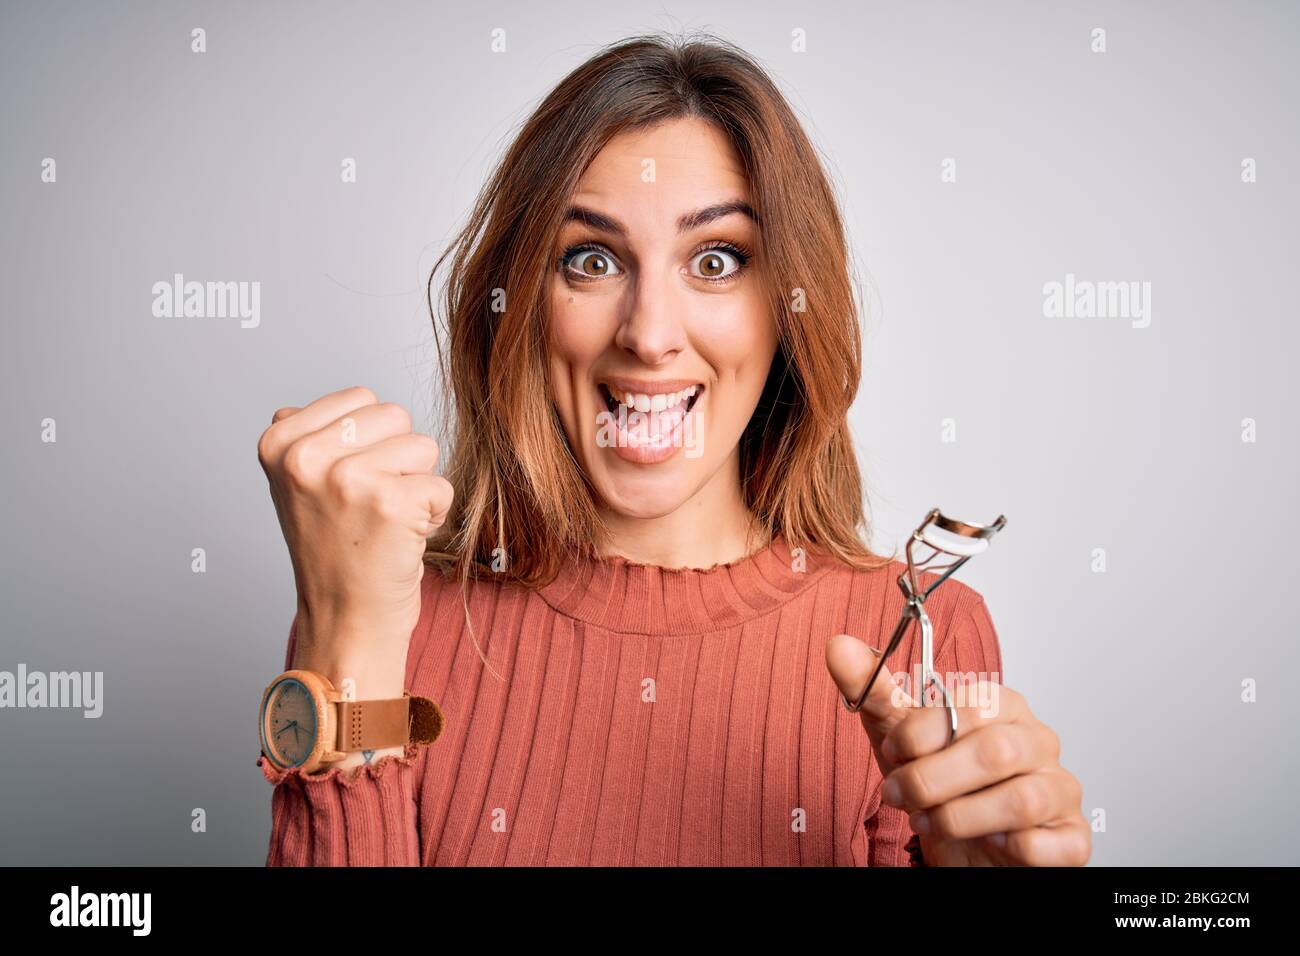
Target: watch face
(289,723)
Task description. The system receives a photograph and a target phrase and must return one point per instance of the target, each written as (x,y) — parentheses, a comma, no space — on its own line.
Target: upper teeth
(642,402)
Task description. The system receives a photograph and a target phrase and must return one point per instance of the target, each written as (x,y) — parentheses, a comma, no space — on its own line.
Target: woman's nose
(655,327)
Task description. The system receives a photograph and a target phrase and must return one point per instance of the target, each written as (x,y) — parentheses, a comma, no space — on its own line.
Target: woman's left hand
(996,796)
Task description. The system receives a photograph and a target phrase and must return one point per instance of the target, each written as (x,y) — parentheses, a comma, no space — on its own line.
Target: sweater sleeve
(362,816)
(967,650)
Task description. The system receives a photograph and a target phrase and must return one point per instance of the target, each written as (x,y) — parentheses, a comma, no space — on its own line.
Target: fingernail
(998,839)
(892,793)
(921,822)
(890,750)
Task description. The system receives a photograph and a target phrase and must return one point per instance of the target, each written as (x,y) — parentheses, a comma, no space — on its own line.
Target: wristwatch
(306,722)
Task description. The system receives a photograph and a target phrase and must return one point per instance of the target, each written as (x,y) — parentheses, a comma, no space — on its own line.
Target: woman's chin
(645,496)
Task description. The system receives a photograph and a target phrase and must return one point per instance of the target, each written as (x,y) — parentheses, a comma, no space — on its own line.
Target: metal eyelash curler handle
(969,540)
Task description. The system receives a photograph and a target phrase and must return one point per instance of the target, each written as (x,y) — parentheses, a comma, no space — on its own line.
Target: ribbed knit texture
(644,716)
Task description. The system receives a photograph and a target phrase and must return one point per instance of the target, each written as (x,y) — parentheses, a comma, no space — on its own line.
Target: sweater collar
(616,594)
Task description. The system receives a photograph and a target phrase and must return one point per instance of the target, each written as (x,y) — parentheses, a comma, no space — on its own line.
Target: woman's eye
(592,264)
(717,264)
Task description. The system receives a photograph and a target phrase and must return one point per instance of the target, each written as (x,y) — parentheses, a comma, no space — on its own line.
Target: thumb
(851,662)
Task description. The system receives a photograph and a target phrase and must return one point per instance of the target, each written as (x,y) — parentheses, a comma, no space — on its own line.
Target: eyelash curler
(961,542)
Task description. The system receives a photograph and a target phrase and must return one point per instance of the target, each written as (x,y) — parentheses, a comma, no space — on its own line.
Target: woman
(647,579)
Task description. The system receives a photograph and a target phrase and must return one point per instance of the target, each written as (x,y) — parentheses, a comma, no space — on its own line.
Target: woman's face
(661,338)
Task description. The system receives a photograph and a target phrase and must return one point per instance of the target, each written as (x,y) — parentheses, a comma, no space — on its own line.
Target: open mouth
(650,402)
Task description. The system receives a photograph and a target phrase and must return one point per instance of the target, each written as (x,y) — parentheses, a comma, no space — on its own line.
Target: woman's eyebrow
(702,217)
(687,222)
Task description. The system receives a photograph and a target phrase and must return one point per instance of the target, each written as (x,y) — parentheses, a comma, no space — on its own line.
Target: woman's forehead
(687,157)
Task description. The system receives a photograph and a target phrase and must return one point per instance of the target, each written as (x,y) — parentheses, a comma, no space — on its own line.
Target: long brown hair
(518,486)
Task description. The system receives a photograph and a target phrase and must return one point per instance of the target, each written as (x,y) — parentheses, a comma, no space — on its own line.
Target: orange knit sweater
(643,716)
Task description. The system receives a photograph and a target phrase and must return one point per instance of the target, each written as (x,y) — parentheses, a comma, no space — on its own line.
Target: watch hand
(292,723)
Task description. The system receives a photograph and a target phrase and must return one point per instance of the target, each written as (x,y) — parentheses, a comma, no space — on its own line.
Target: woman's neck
(711,527)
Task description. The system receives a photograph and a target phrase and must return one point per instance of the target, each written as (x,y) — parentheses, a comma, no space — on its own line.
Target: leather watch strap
(426,720)
(372,724)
